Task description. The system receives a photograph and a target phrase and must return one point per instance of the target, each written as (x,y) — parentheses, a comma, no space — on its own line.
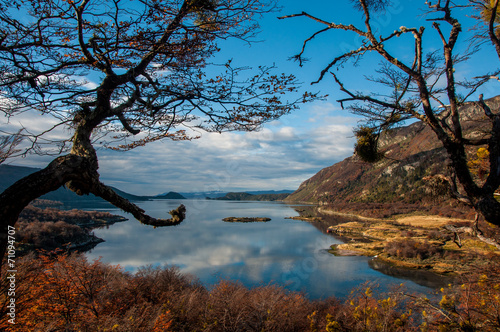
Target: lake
(286,252)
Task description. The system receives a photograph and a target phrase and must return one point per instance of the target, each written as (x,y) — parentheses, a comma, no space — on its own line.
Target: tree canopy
(144,62)
(423,85)
(121,74)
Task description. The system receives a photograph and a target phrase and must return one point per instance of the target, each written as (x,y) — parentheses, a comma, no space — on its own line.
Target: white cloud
(280,156)
(277,157)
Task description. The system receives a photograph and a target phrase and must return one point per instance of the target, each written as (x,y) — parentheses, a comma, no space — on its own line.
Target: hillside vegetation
(413,155)
(50,228)
(243,196)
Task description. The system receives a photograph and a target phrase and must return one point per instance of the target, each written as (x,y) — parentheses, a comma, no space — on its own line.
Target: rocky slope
(412,153)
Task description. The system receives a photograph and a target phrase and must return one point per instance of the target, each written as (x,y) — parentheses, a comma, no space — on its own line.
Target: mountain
(270,192)
(201,194)
(244,196)
(169,195)
(130,197)
(412,153)
(221,194)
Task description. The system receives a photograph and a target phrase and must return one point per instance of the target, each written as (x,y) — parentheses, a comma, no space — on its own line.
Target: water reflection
(287,252)
(421,277)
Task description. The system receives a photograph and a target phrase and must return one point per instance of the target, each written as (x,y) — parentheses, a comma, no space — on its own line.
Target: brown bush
(68,293)
(32,213)
(439,235)
(51,228)
(410,248)
(49,235)
(386,210)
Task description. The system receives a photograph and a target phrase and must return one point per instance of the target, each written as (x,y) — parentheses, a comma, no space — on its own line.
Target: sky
(285,152)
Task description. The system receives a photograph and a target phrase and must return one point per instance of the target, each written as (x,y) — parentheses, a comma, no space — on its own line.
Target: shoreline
(411,241)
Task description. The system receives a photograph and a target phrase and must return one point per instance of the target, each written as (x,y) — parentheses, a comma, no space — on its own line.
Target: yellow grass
(426,221)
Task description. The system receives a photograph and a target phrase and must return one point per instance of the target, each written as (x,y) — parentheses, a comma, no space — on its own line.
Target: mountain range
(255,196)
(9,174)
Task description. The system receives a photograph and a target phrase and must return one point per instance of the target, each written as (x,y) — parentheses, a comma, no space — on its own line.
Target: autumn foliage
(50,228)
(69,293)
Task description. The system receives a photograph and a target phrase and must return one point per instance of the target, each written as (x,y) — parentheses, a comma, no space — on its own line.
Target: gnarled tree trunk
(78,172)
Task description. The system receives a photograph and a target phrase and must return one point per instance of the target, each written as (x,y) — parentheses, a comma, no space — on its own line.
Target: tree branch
(374,101)
(105,192)
(486,108)
(472,230)
(126,125)
(491,27)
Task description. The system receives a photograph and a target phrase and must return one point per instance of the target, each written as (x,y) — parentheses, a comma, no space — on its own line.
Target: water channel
(290,253)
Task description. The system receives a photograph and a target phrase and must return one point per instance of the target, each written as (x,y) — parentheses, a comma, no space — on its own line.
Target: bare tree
(125,73)
(413,89)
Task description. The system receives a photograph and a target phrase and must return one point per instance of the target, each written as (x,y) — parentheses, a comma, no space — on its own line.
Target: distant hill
(412,153)
(200,194)
(272,192)
(220,194)
(243,196)
(169,195)
(130,197)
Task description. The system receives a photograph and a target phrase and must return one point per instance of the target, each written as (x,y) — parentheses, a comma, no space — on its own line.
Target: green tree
(151,62)
(411,86)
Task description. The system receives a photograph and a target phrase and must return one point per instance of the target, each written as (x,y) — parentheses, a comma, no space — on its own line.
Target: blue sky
(287,151)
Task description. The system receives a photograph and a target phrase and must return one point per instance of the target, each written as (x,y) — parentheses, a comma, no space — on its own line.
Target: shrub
(410,248)
(69,293)
(439,235)
(50,235)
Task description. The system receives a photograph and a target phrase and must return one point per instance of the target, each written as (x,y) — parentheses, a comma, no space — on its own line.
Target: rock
(246,219)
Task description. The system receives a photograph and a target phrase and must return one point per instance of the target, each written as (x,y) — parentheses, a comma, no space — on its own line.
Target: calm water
(287,252)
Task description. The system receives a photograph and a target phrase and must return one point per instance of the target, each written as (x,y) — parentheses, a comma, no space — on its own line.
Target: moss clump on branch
(366,145)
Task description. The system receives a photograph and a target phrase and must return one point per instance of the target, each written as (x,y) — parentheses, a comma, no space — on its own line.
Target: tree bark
(105,192)
(15,198)
(489,208)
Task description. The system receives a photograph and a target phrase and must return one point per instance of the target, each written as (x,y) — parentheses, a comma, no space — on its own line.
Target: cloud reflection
(285,252)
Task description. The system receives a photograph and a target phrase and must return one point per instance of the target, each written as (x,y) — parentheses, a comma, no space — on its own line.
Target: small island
(246,219)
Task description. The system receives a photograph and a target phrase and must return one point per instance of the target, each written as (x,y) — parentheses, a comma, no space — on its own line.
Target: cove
(289,253)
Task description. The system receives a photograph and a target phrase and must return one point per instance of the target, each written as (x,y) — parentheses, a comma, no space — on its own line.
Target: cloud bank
(280,156)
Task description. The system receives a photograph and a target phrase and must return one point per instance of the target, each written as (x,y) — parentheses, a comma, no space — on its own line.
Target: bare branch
(491,26)
(126,125)
(417,91)
(8,146)
(105,192)
(486,108)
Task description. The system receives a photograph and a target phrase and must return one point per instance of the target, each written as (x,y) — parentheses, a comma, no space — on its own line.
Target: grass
(413,241)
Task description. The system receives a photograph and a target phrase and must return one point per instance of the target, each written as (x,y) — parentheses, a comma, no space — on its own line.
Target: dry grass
(428,222)
(432,247)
